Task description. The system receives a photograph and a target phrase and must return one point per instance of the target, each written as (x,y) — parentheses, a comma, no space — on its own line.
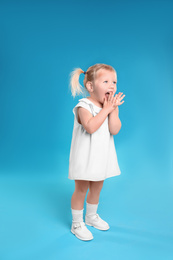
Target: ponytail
(90,75)
(76,87)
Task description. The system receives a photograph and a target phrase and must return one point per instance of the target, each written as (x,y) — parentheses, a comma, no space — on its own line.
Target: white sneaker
(81,231)
(96,221)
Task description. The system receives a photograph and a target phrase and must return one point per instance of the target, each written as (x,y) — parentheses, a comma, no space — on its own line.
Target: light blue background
(41,43)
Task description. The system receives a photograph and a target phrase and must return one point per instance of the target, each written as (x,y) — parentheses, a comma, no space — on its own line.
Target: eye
(114,82)
(105,81)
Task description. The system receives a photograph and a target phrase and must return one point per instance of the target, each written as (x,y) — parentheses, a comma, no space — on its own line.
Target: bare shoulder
(83,116)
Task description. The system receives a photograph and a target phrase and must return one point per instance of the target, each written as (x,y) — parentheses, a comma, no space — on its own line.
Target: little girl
(92,155)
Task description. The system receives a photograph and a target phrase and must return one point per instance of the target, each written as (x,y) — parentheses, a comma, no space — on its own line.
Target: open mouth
(107,94)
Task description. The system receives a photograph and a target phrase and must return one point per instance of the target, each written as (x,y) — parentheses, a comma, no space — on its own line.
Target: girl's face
(105,81)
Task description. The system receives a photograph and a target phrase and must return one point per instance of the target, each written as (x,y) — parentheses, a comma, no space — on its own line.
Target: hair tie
(84,72)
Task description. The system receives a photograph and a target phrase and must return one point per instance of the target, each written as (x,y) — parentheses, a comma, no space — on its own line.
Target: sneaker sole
(84,239)
(96,226)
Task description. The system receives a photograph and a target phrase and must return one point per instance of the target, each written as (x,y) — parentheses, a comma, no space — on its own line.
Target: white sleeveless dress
(92,156)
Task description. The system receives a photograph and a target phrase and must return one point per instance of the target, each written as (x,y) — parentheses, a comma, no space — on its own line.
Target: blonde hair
(90,75)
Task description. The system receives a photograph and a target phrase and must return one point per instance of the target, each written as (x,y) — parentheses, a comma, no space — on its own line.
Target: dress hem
(94,179)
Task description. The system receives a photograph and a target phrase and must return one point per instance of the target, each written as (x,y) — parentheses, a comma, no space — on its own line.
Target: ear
(89,86)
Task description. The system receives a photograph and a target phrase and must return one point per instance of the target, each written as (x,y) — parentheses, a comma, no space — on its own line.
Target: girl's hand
(112,102)
(118,97)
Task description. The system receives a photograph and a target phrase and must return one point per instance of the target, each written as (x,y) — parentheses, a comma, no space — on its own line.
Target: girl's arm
(114,121)
(92,123)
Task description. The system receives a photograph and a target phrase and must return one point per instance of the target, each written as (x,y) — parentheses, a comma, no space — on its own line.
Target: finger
(115,101)
(120,94)
(105,100)
(121,97)
(115,98)
(110,96)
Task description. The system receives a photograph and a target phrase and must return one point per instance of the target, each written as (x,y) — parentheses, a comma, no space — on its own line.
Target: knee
(95,191)
(81,190)
(96,188)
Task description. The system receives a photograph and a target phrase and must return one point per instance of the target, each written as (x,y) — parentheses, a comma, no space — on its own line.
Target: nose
(112,87)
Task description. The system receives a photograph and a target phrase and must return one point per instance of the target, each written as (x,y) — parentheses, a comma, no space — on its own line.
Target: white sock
(91,209)
(77,215)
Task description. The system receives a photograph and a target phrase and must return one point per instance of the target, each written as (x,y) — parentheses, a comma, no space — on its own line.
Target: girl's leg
(92,218)
(95,188)
(78,197)
(78,227)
